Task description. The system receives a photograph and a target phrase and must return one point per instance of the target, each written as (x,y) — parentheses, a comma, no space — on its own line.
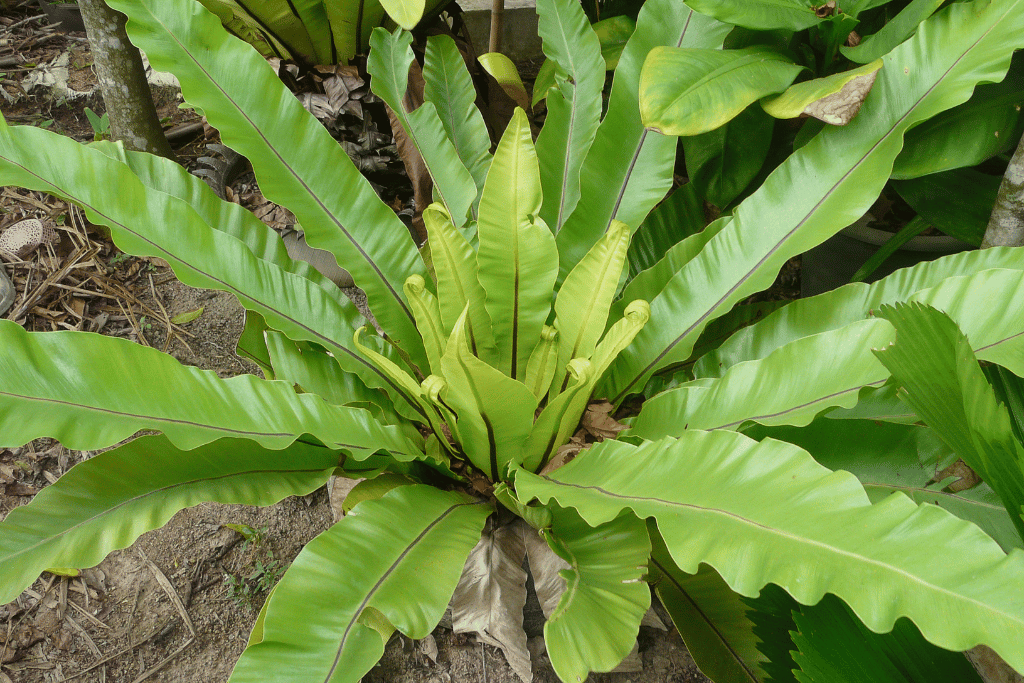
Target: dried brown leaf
(491,594)
(632,663)
(991,666)
(545,566)
(566,452)
(966,478)
(338,489)
(839,108)
(428,646)
(598,421)
(19,489)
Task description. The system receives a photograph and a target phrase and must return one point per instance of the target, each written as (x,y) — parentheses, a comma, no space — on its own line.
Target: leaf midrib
(387,573)
(706,619)
(142,496)
(856,557)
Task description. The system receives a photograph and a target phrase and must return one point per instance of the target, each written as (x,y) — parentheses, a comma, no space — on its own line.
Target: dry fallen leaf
(966,478)
(840,108)
(566,453)
(338,489)
(545,566)
(598,421)
(991,666)
(491,594)
(428,646)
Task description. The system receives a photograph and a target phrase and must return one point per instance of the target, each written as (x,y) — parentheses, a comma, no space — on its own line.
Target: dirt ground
(177,605)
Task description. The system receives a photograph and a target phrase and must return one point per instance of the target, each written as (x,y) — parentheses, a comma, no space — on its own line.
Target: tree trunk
(1006,225)
(122,78)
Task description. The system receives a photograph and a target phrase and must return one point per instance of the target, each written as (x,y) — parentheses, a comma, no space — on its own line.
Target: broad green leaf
(540,370)
(259,118)
(405,13)
(245,27)
(771,612)
(312,16)
(604,596)
(612,33)
(581,308)
(889,457)
(879,404)
(495,412)
(957,202)
(791,522)
(722,162)
(834,99)
(108,501)
(90,391)
(848,304)
(330,32)
(504,71)
(388,65)
(711,338)
(629,168)
(676,218)
(351,35)
(256,634)
(709,617)
(894,32)
(986,125)
(560,417)
(412,542)
(547,75)
(455,265)
(940,379)
(447,84)
(855,7)
(962,45)
(686,91)
(517,258)
(839,361)
(832,645)
(833,32)
(428,319)
(762,15)
(620,335)
(574,106)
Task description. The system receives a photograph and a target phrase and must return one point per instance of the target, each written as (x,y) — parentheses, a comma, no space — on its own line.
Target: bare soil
(164,609)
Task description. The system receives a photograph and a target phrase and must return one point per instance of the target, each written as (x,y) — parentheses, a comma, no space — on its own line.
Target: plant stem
(1006,225)
(497,17)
